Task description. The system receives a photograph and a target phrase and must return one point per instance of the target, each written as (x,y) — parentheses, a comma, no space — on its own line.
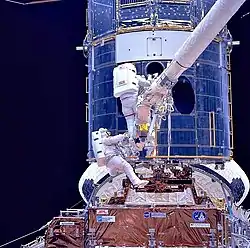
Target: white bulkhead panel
(94,172)
(149,45)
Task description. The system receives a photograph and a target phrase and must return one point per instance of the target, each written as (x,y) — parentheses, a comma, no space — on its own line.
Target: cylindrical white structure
(200,38)
(206,31)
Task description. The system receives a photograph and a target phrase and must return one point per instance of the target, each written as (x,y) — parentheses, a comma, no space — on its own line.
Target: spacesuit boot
(149,147)
(117,163)
(141,184)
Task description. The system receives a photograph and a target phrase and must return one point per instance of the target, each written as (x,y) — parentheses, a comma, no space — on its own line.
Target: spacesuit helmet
(104,132)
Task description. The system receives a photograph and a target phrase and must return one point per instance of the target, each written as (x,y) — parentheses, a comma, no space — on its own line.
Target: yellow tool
(144,127)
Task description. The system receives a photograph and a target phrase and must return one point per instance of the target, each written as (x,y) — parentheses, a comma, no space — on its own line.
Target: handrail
(183,157)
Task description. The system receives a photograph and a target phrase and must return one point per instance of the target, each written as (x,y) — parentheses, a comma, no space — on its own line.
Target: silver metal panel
(149,45)
(154,46)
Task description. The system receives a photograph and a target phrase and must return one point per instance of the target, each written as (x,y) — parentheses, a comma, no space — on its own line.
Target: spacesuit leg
(129,111)
(117,163)
(130,120)
(135,115)
(112,171)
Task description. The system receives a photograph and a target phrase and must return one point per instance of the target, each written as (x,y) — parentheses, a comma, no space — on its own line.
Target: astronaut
(143,119)
(127,86)
(114,158)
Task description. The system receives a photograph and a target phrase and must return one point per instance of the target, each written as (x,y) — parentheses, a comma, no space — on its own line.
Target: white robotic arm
(200,38)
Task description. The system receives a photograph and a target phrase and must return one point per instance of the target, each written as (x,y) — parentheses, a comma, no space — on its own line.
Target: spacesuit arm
(142,81)
(109,141)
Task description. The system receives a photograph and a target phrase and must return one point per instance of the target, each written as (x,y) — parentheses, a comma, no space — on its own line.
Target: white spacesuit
(128,101)
(114,160)
(127,86)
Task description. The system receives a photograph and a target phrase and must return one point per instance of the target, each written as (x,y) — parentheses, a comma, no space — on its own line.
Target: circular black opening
(154,67)
(183,95)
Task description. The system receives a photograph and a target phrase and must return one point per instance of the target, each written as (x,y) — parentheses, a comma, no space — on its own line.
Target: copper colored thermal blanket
(173,226)
(65,232)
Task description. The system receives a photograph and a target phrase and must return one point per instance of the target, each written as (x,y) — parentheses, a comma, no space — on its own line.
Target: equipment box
(65,232)
(164,226)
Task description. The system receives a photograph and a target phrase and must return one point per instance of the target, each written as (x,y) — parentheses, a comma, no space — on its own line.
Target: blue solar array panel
(104,105)
(174,12)
(198,9)
(134,13)
(102,17)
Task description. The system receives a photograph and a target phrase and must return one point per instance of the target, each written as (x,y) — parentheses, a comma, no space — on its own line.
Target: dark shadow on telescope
(154,67)
(183,95)
(119,107)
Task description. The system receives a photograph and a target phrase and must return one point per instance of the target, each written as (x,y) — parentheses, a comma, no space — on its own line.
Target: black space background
(43,134)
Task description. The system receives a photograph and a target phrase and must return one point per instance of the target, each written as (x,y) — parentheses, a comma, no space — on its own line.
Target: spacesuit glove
(126,137)
(126,134)
(155,75)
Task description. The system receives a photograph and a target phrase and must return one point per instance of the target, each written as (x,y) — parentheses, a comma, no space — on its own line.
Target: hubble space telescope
(159,98)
